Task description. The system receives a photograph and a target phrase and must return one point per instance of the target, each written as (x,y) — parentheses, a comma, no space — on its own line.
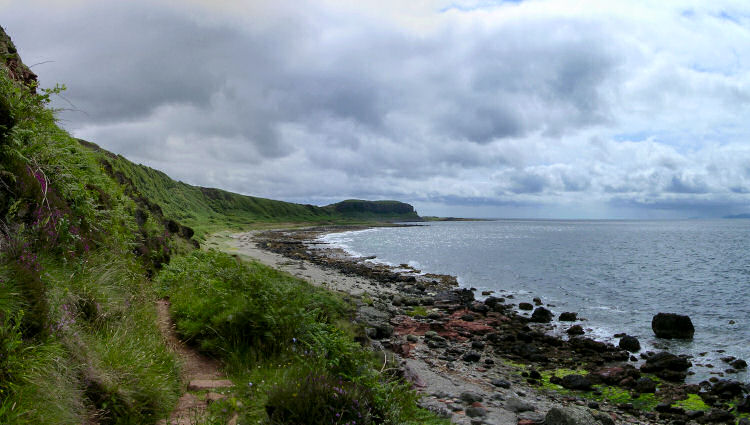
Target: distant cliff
(367,210)
(209,209)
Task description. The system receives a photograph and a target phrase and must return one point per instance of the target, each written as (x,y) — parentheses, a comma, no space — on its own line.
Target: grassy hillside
(206,210)
(89,242)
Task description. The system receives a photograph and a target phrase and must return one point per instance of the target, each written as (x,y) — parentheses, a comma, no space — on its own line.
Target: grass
(208,210)
(288,345)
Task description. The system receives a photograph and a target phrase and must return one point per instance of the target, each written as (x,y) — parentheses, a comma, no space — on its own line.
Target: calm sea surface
(615,274)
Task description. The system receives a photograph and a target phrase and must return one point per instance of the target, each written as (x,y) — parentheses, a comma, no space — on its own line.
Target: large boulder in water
(670,325)
(630,343)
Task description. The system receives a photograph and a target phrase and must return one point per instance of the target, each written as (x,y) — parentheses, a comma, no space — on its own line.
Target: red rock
(526,422)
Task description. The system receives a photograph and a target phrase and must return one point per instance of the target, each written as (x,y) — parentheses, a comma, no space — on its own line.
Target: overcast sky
(555,109)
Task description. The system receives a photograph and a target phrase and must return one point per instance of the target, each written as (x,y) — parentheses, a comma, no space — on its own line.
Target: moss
(418,311)
(692,402)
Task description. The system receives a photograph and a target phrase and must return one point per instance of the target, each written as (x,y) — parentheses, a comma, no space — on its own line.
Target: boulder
(575,330)
(739,364)
(630,343)
(517,405)
(576,382)
(471,356)
(568,316)
(665,360)
(571,415)
(645,385)
(541,315)
(525,306)
(670,325)
(469,397)
(727,389)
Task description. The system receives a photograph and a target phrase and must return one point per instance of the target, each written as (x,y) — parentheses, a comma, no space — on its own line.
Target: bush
(222,305)
(319,399)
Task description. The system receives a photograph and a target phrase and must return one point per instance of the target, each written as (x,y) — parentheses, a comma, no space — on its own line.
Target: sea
(615,274)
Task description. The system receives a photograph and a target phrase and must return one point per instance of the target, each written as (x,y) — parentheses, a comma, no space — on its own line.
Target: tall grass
(281,341)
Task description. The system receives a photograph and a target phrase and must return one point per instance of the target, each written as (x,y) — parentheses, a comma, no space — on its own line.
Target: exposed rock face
(14,67)
(569,416)
(670,325)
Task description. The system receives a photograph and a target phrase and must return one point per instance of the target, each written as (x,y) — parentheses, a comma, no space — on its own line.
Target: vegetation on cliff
(207,210)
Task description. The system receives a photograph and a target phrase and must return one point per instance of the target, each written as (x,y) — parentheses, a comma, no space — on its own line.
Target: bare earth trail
(203,375)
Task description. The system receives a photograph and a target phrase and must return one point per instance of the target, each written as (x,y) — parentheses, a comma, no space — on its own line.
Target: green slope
(207,209)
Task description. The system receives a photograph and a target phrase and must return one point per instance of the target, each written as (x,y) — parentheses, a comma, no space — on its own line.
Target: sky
(477,108)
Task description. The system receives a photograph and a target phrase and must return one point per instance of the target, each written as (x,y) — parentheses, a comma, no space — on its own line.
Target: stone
(516,405)
(576,382)
(568,316)
(744,405)
(469,397)
(476,412)
(727,389)
(744,421)
(531,418)
(665,360)
(471,356)
(630,343)
(525,306)
(645,385)
(571,415)
(575,330)
(672,326)
(717,416)
(541,315)
(739,364)
(537,301)
(500,383)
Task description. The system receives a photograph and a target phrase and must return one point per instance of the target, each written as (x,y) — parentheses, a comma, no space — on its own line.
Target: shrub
(318,399)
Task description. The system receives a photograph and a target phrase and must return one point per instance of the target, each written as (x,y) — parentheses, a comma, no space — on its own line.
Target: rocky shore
(485,362)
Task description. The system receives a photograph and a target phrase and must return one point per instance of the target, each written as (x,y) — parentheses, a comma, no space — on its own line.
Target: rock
(525,306)
(480,307)
(500,383)
(744,421)
(739,364)
(717,416)
(471,356)
(603,418)
(517,405)
(630,343)
(531,418)
(575,330)
(537,301)
(541,315)
(569,416)
(477,345)
(670,325)
(467,317)
(469,397)
(475,412)
(412,338)
(576,382)
(645,385)
(744,405)
(665,360)
(568,316)
(727,389)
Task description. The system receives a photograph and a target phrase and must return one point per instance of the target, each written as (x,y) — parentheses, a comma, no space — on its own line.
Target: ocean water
(615,274)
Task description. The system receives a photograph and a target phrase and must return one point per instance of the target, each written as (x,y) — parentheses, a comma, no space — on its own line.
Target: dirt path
(202,374)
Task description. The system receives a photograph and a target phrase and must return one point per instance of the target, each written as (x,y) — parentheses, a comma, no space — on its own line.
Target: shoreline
(483,348)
